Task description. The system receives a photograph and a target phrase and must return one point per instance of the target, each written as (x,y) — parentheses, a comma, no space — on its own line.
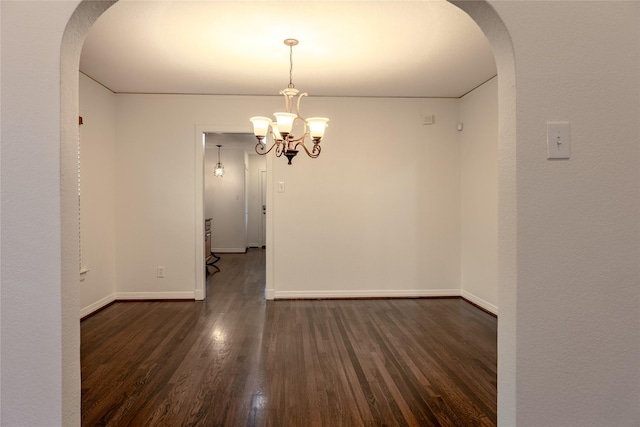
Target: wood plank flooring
(238,360)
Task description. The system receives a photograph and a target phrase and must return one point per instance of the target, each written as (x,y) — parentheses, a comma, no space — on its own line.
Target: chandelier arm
(300,99)
(304,130)
(315,151)
(261,150)
(300,141)
(288,103)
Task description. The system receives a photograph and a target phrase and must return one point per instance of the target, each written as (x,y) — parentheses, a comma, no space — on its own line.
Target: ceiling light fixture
(218,171)
(282,131)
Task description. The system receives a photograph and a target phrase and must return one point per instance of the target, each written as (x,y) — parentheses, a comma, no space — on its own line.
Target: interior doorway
(234,202)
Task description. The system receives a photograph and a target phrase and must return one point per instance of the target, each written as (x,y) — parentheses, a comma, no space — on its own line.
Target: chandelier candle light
(282,130)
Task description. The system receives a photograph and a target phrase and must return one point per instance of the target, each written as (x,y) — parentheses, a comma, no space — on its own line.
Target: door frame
(263,208)
(201,279)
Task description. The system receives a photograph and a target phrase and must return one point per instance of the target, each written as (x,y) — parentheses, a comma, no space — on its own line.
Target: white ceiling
(347,48)
(244,141)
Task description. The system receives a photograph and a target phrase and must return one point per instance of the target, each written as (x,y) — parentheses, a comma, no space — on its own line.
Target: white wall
(569,270)
(33,370)
(578,278)
(155,199)
(254,230)
(98,170)
(479,195)
(225,199)
(376,214)
(420,221)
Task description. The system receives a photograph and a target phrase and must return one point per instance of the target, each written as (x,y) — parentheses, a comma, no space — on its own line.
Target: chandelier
(218,170)
(285,142)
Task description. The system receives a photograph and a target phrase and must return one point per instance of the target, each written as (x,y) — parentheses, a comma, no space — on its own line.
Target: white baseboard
(135,296)
(378,293)
(198,294)
(395,293)
(271,294)
(228,250)
(155,295)
(480,302)
(97,305)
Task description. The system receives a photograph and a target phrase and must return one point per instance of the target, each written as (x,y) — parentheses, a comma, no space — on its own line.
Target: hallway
(238,360)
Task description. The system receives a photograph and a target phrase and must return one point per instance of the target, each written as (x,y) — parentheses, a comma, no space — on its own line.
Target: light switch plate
(281,187)
(558,140)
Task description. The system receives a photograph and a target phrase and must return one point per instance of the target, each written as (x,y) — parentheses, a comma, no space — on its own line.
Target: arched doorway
(491,24)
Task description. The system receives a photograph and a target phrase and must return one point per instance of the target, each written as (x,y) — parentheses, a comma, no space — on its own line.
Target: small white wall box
(558,140)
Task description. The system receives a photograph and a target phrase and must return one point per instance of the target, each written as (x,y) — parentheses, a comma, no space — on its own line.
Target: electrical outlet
(160,274)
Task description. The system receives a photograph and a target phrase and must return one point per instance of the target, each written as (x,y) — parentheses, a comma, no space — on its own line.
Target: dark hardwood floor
(238,360)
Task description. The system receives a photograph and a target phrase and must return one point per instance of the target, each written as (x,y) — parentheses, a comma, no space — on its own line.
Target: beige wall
(378,212)
(577,237)
(98,209)
(360,202)
(224,198)
(255,231)
(479,195)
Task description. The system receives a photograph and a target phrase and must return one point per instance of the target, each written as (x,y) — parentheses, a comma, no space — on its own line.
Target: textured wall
(572,294)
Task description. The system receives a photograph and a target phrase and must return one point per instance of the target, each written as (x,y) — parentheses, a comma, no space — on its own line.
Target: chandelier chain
(291,85)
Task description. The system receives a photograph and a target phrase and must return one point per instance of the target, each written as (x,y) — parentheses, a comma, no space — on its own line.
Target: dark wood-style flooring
(238,360)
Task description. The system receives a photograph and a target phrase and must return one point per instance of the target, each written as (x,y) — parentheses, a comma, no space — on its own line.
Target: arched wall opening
(495,31)
(488,20)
